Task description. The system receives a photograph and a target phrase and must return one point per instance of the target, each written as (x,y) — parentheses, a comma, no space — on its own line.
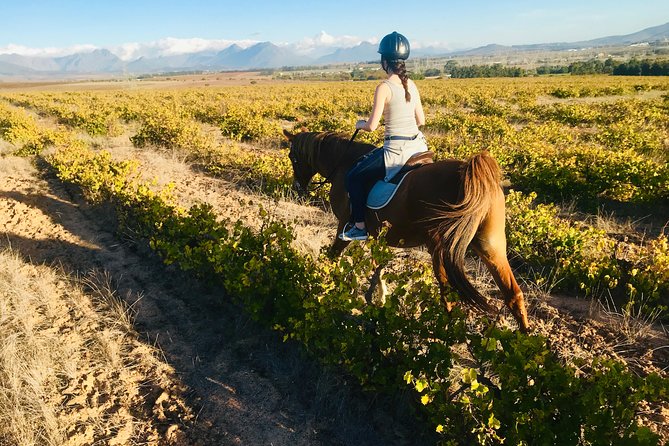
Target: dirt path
(244,385)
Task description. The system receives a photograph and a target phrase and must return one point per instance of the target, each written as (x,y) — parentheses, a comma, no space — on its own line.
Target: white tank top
(398,114)
(400,120)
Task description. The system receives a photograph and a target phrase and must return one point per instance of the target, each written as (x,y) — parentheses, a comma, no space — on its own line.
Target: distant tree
(357,74)
(630,68)
(450,65)
(593,66)
(646,67)
(633,67)
(377,74)
(432,72)
(496,70)
(552,69)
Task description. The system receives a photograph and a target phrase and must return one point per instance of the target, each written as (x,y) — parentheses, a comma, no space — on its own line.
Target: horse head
(303,171)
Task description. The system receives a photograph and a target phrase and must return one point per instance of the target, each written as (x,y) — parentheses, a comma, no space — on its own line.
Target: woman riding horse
(448,205)
(398,101)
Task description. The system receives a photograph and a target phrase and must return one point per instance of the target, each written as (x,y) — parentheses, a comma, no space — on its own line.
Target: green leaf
(490,344)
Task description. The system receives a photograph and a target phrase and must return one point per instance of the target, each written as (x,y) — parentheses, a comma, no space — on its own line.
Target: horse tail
(459,223)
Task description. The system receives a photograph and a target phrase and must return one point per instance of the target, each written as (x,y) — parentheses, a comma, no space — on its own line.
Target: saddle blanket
(383,192)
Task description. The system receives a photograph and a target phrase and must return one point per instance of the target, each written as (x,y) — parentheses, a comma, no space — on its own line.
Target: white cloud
(171,46)
(45,52)
(323,42)
(419,45)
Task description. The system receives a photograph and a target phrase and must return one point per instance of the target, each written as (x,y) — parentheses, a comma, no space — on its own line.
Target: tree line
(633,67)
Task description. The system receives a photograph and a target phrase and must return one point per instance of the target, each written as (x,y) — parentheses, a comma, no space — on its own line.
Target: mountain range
(268,55)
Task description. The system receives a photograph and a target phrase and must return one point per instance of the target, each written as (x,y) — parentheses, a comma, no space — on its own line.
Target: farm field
(113,178)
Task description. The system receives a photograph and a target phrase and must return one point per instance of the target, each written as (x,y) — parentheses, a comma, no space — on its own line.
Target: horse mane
(308,145)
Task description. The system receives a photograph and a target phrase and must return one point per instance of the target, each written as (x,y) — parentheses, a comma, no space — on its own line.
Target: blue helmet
(394,46)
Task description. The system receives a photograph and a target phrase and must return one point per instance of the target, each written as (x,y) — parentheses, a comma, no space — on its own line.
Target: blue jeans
(359,180)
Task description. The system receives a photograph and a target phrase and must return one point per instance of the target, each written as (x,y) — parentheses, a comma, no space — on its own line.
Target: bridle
(328,178)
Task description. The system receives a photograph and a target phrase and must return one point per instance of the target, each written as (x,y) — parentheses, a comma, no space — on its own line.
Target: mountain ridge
(265,55)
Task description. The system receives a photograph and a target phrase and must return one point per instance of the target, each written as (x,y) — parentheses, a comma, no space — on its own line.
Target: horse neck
(326,153)
(336,152)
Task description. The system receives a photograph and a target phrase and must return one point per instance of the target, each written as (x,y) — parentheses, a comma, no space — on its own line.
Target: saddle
(417,160)
(382,192)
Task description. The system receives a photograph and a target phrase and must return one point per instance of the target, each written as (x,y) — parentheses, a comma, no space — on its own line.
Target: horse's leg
(338,244)
(493,253)
(337,247)
(442,277)
(374,282)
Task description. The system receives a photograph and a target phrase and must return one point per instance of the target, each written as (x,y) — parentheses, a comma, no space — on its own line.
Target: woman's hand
(361,125)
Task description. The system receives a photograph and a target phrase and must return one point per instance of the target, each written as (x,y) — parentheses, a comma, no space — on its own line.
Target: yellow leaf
(421,384)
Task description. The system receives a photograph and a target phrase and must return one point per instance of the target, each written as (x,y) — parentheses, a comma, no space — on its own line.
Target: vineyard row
(578,257)
(513,390)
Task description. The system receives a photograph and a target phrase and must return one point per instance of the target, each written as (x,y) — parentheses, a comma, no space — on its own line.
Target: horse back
(417,202)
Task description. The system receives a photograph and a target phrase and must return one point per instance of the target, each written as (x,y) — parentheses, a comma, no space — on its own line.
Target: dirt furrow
(245,385)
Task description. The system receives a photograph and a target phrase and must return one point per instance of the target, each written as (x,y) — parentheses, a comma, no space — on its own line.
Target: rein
(328,178)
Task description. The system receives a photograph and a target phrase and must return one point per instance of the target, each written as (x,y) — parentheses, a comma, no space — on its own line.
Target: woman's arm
(381,97)
(420,114)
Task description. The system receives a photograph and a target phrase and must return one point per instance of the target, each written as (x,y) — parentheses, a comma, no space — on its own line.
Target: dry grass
(14,165)
(6,148)
(629,321)
(622,221)
(607,221)
(71,369)
(28,363)
(118,313)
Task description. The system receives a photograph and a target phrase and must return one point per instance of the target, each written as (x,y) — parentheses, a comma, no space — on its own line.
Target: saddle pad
(383,192)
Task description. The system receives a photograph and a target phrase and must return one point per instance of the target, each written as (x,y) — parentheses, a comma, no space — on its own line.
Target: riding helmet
(394,46)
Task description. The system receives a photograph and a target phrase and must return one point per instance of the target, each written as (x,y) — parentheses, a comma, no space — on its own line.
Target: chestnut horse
(446,205)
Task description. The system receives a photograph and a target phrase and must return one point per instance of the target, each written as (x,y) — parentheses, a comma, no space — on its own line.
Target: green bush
(245,124)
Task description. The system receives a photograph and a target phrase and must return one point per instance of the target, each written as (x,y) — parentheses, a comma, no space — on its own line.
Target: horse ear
(288,135)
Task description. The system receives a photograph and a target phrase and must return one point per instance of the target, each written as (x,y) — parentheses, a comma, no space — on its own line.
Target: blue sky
(123,25)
